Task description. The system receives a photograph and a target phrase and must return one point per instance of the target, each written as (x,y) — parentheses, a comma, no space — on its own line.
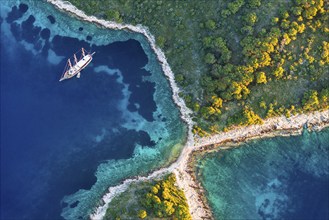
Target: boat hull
(75,69)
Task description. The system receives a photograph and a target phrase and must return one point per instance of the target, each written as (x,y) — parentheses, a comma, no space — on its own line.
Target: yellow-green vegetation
(237,61)
(150,200)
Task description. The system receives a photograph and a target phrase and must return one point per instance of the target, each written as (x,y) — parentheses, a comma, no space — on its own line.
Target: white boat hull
(77,67)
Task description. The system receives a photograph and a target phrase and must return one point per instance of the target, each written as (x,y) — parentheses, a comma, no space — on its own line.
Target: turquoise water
(63,144)
(276,178)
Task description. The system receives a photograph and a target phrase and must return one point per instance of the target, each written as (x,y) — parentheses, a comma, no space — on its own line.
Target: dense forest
(237,61)
(150,200)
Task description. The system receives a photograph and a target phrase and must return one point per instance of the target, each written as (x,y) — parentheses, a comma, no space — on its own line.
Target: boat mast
(75,59)
(69,61)
(83,52)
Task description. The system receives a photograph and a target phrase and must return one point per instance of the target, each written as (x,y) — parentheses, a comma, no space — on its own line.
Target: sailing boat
(74,70)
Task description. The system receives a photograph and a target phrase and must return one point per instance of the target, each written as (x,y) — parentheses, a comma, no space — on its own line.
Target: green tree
(262,104)
(250,18)
(196,107)
(155,190)
(161,41)
(254,3)
(301,28)
(239,90)
(211,24)
(217,102)
(142,214)
(310,12)
(297,10)
(261,77)
(324,98)
(310,100)
(325,52)
(250,117)
(156,199)
(225,13)
(275,20)
(285,24)
(247,30)
(278,73)
(292,32)
(179,78)
(235,6)
(286,39)
(207,41)
(285,15)
(210,58)
(113,15)
(168,208)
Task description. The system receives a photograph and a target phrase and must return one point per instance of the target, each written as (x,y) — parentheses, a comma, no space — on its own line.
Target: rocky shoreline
(184,168)
(184,110)
(278,126)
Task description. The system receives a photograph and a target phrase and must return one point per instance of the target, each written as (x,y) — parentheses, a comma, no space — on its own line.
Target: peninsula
(268,77)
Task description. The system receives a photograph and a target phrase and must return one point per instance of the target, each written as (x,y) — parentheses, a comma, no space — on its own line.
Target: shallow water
(63,144)
(274,178)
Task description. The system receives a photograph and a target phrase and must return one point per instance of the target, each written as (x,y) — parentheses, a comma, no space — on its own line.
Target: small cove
(270,178)
(65,143)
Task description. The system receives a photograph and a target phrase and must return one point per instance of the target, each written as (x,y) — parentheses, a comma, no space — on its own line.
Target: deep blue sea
(64,143)
(272,178)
